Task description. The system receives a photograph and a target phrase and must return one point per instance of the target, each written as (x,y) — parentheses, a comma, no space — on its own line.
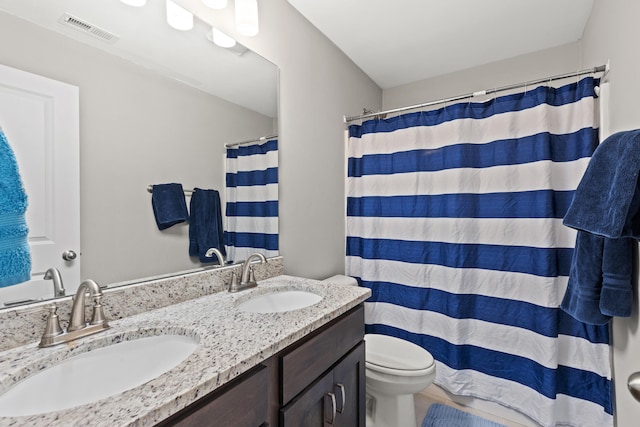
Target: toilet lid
(395,353)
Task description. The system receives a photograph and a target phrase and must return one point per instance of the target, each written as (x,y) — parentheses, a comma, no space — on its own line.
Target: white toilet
(396,369)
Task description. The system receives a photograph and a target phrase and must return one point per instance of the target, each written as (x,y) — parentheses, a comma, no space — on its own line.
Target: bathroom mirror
(157,105)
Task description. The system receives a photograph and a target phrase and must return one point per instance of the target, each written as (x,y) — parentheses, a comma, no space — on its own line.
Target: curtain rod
(600,69)
(262,138)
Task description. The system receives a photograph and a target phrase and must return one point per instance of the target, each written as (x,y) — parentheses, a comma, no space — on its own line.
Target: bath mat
(446,416)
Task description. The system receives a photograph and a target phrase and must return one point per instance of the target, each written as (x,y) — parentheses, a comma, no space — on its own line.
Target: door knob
(69,255)
(634,385)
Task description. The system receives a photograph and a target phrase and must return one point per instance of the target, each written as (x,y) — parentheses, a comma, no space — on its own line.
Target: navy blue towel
(617,273)
(600,279)
(169,206)
(582,297)
(205,224)
(605,211)
(606,201)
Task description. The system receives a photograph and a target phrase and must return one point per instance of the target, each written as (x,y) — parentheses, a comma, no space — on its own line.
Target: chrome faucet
(214,251)
(78,326)
(247,280)
(58,288)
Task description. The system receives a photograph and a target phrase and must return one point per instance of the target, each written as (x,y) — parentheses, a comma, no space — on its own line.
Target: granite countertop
(230,342)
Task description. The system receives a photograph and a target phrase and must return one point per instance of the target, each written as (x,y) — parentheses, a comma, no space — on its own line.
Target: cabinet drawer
(241,403)
(318,353)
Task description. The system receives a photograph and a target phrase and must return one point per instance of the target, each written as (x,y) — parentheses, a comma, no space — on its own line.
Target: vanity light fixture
(134,3)
(221,39)
(179,17)
(247,17)
(215,4)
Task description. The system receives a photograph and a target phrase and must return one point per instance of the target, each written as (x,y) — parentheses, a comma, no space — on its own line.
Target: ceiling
(145,39)
(395,42)
(402,41)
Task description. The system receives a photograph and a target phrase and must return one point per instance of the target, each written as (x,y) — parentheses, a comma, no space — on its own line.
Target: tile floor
(434,394)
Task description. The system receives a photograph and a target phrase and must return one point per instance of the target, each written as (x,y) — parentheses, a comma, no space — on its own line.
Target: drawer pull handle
(331,397)
(339,389)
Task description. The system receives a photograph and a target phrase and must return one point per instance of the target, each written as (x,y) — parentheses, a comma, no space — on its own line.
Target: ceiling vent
(93,30)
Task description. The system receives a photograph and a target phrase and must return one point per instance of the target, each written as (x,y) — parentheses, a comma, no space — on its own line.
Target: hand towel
(600,279)
(617,275)
(169,206)
(605,211)
(582,297)
(15,255)
(205,224)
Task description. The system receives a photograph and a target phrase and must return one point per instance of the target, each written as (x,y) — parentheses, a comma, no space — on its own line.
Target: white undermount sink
(276,302)
(96,374)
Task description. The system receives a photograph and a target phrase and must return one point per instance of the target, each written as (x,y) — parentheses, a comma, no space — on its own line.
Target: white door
(40,118)
(626,362)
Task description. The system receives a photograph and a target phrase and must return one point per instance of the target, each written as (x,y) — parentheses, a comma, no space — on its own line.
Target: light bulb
(215,4)
(179,17)
(221,39)
(247,17)
(135,3)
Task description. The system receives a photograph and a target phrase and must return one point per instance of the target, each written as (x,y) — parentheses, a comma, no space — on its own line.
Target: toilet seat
(391,355)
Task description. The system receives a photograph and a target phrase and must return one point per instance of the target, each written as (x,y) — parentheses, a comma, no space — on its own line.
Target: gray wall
(136,129)
(537,65)
(612,34)
(318,85)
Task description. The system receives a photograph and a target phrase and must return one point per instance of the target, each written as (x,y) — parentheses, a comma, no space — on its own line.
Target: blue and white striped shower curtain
(454,220)
(252,200)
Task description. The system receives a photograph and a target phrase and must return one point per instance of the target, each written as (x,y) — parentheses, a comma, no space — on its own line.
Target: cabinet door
(308,408)
(336,399)
(349,389)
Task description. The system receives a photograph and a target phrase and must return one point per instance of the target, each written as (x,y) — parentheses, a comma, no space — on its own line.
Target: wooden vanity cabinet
(317,381)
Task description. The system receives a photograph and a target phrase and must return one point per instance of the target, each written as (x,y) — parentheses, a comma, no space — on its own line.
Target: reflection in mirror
(156,105)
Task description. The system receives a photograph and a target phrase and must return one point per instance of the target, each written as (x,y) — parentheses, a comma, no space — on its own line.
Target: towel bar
(186,192)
